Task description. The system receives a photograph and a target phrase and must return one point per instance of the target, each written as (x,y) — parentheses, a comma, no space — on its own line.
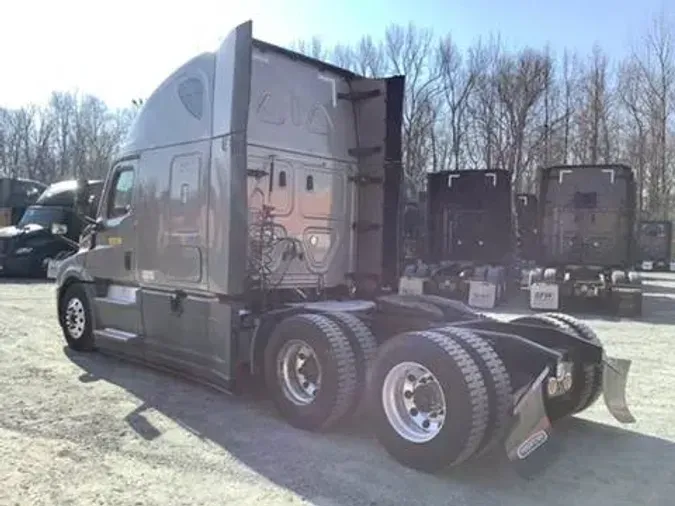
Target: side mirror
(59,229)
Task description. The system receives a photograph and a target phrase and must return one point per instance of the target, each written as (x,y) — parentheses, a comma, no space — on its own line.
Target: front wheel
(429,401)
(75,318)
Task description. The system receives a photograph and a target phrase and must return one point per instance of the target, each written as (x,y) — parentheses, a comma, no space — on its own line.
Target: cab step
(116,335)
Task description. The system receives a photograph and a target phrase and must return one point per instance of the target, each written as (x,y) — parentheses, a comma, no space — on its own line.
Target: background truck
(16,194)
(250,229)
(469,238)
(27,248)
(654,245)
(587,222)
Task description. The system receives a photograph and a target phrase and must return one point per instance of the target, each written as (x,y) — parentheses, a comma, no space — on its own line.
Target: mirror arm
(68,241)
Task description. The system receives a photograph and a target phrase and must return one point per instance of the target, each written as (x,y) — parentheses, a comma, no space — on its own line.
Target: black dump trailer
(587,246)
(16,195)
(469,238)
(654,245)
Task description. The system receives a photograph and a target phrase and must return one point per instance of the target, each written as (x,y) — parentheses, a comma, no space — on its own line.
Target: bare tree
(656,64)
(521,83)
(457,82)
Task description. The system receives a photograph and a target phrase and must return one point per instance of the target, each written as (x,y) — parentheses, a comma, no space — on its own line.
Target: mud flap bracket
(614,379)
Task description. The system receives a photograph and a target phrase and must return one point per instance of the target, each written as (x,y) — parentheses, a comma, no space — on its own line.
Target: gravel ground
(89,429)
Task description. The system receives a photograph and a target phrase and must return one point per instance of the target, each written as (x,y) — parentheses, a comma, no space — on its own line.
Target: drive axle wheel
(310,371)
(592,373)
(414,402)
(428,399)
(497,382)
(364,346)
(586,378)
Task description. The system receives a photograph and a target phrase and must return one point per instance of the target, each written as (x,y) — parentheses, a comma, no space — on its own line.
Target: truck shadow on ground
(589,463)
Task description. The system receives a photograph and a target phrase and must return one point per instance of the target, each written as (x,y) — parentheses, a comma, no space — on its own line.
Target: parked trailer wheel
(583,379)
(428,399)
(310,371)
(363,344)
(592,372)
(75,318)
(497,382)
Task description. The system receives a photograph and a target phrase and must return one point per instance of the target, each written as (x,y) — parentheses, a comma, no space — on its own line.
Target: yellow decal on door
(114,241)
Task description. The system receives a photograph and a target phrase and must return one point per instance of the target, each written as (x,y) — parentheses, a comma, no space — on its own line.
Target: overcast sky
(122,49)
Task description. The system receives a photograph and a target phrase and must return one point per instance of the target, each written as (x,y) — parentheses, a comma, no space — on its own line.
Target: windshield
(43,216)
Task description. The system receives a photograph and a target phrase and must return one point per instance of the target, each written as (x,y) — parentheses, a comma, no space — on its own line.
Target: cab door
(111,259)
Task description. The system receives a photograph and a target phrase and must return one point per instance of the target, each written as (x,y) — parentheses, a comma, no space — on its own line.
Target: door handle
(127,260)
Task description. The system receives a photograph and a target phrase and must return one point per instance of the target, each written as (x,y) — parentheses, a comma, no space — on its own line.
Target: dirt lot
(89,429)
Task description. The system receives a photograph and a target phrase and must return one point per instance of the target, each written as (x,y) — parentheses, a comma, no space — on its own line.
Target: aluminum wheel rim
(416,418)
(299,372)
(75,318)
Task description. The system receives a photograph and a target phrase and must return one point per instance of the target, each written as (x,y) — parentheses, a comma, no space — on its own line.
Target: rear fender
(548,337)
(521,355)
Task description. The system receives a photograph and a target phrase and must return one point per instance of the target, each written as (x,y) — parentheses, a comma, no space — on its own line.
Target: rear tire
(497,382)
(310,371)
(456,381)
(75,318)
(583,377)
(364,346)
(592,372)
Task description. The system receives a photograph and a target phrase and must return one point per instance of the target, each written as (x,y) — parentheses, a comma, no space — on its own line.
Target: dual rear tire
(434,398)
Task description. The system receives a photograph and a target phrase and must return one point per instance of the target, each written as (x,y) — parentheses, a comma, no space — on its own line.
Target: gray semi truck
(251,226)
(587,240)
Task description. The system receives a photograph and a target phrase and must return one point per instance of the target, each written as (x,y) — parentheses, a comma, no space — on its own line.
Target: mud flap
(544,296)
(614,379)
(530,431)
(482,294)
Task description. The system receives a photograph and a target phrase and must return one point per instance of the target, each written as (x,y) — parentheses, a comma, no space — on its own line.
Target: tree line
(491,107)
(71,136)
(486,107)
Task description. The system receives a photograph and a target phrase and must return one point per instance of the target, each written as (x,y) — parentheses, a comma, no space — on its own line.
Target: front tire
(428,399)
(75,318)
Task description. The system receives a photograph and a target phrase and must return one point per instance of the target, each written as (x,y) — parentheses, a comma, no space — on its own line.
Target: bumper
(531,428)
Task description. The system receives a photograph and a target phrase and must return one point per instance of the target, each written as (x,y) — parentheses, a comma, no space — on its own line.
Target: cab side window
(121,192)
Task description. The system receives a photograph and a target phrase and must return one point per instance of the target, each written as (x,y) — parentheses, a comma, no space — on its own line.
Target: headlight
(23,251)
